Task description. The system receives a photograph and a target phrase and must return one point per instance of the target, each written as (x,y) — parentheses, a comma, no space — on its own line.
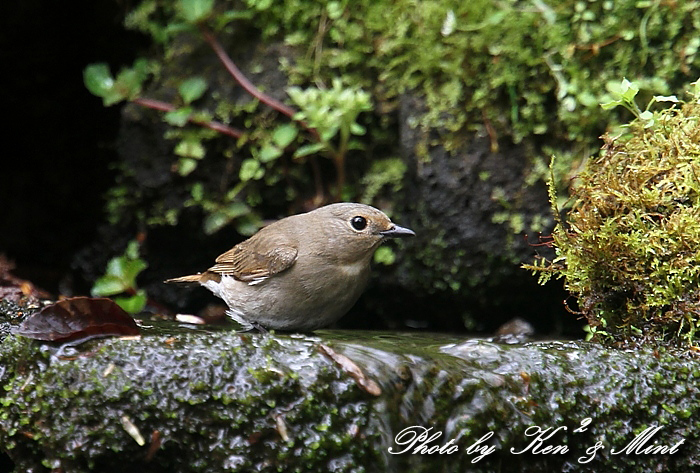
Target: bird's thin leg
(259,328)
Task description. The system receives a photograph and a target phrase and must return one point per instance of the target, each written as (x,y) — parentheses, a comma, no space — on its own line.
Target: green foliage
(329,115)
(630,244)
(127,85)
(533,72)
(624,95)
(193,88)
(120,278)
(194,11)
(384,174)
(531,69)
(224,210)
(384,255)
(331,112)
(271,146)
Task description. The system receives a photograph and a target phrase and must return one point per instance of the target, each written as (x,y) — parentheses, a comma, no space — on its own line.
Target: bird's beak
(397,232)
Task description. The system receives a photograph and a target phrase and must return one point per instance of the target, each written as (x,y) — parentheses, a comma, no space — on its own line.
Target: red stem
(247,85)
(167,107)
(243,80)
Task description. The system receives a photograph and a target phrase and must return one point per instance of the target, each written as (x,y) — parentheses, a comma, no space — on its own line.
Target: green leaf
(192,89)
(357,129)
(132,268)
(250,169)
(116,267)
(132,304)
(628,90)
(328,133)
(297,95)
(126,269)
(108,285)
(308,149)
(384,255)
(195,11)
(262,4)
(121,272)
(178,117)
(197,192)
(614,88)
(248,225)
(284,135)
(236,209)
(129,82)
(610,105)
(132,250)
(127,85)
(98,79)
(335,10)
(223,216)
(190,148)
(185,166)
(269,153)
(215,221)
(666,98)
(356,144)
(646,115)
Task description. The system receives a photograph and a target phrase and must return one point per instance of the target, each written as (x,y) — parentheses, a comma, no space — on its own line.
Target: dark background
(58,146)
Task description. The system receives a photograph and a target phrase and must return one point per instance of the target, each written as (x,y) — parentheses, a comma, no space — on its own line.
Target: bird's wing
(252,262)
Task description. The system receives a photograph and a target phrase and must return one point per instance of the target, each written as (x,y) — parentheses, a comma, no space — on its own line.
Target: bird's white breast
(353,270)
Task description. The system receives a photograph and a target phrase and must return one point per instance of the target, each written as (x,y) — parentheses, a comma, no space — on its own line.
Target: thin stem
(247,85)
(168,107)
(339,159)
(318,180)
(340,169)
(236,73)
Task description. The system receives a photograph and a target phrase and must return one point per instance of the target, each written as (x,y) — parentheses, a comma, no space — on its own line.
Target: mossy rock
(191,401)
(630,246)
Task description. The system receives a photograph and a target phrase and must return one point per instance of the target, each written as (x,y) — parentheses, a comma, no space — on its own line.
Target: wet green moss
(72,417)
(629,247)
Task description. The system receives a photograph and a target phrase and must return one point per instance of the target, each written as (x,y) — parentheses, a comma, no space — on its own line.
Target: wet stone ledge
(189,400)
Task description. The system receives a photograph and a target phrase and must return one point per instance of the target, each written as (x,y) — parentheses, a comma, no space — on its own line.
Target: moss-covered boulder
(185,400)
(629,247)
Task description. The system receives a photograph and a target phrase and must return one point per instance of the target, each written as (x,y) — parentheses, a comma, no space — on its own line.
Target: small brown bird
(302,272)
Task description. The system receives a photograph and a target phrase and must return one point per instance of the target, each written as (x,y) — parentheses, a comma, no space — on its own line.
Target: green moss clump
(630,246)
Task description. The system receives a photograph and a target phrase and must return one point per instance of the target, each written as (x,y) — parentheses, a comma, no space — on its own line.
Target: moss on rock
(193,401)
(630,246)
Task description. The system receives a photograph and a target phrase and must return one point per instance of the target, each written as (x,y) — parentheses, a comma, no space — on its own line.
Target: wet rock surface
(186,399)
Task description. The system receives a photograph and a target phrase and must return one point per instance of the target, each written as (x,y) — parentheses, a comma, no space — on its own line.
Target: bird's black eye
(358,223)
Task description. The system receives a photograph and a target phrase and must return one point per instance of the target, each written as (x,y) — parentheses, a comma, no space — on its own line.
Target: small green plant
(120,280)
(326,118)
(624,95)
(509,69)
(592,331)
(332,113)
(384,174)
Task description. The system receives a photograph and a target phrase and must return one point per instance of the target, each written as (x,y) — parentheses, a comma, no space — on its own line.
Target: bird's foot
(259,328)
